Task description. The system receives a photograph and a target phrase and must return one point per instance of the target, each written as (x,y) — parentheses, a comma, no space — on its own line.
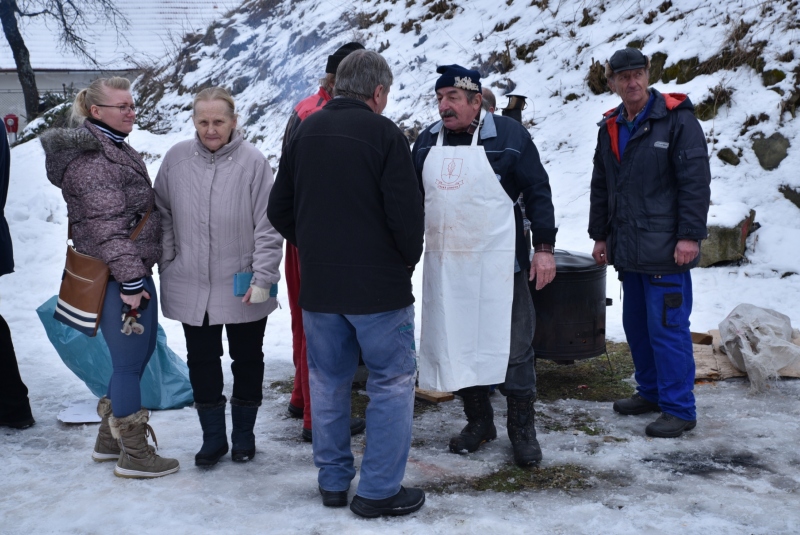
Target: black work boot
(404,502)
(669,426)
(522,432)
(635,404)
(243,441)
(215,437)
(480,421)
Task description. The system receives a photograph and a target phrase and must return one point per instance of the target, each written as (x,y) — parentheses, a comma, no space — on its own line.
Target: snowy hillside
(738,472)
(271,53)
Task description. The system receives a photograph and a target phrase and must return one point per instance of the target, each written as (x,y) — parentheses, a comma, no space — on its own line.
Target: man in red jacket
(300,403)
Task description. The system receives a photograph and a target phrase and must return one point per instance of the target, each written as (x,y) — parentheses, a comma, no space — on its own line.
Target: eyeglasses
(123,108)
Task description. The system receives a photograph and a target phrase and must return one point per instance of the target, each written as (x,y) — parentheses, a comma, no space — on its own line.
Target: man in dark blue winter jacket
(650,194)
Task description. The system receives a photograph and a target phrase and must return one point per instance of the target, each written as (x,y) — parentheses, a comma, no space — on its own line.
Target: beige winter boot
(137,459)
(106,447)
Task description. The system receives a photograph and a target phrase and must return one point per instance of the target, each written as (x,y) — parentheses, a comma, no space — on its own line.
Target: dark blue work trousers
(655,315)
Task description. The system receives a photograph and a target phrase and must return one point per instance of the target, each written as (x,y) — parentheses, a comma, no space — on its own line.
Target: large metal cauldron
(571,310)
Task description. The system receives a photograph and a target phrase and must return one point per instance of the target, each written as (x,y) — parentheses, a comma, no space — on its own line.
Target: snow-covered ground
(738,472)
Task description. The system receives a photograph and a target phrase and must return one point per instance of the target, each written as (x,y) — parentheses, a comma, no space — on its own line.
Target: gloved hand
(258,294)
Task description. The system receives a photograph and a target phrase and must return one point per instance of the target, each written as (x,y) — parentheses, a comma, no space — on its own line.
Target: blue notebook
(241,283)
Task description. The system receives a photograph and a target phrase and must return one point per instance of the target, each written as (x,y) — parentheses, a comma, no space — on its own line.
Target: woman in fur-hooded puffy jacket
(108,192)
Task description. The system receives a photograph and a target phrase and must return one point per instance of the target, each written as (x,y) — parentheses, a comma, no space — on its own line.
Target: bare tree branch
(75,21)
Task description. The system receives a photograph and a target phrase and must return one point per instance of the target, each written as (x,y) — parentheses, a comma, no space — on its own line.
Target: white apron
(468,273)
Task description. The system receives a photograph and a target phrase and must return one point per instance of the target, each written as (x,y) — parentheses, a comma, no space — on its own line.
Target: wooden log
(433,396)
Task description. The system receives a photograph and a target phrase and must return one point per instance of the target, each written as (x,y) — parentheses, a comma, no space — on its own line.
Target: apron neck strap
(475,135)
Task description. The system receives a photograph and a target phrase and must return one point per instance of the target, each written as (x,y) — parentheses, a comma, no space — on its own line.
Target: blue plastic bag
(165,383)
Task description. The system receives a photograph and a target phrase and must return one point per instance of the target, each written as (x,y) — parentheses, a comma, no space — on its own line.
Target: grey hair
(471,95)
(360,73)
(489,101)
(328,82)
(215,93)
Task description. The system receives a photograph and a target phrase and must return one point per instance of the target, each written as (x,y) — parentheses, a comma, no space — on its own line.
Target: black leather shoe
(357,425)
(294,412)
(404,502)
(635,404)
(333,498)
(669,426)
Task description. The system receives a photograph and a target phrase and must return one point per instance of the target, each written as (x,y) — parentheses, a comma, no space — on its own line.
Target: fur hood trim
(62,145)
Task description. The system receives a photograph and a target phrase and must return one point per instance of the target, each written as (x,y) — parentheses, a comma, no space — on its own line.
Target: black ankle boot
(243,441)
(521,431)
(480,421)
(215,437)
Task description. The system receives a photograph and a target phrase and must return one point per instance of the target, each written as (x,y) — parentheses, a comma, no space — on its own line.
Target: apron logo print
(451,172)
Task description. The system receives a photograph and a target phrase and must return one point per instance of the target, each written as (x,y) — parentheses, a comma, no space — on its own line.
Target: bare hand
(134,300)
(599,253)
(686,251)
(543,269)
(246,298)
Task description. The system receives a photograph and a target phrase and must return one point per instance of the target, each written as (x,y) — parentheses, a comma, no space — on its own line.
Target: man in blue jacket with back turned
(650,193)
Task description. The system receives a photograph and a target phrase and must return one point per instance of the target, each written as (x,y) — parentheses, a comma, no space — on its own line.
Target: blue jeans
(387,345)
(129,354)
(655,315)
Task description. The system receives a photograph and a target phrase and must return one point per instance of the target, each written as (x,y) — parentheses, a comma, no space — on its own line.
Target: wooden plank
(704,339)
(433,396)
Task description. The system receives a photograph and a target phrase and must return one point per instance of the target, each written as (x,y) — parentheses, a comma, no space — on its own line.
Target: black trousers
(14,403)
(204,349)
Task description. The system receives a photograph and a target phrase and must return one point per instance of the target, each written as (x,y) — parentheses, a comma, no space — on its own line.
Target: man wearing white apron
(478,319)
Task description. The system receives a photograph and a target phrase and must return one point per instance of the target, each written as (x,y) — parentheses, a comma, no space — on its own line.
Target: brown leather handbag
(83,287)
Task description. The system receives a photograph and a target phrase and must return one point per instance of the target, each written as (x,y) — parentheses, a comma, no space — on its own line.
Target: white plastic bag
(758,341)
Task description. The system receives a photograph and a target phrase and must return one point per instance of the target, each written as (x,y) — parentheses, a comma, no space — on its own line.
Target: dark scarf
(114,135)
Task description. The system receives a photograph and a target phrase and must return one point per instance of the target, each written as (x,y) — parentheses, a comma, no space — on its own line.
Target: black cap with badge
(628,59)
(458,76)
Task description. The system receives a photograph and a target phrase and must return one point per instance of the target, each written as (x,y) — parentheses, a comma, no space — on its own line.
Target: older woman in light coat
(212,194)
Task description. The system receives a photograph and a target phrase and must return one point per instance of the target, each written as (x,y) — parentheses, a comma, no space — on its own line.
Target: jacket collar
(662,104)
(488,130)
(121,155)
(225,150)
(346,102)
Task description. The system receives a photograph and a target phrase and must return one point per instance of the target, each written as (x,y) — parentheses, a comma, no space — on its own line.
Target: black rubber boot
(480,421)
(243,441)
(215,436)
(522,432)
